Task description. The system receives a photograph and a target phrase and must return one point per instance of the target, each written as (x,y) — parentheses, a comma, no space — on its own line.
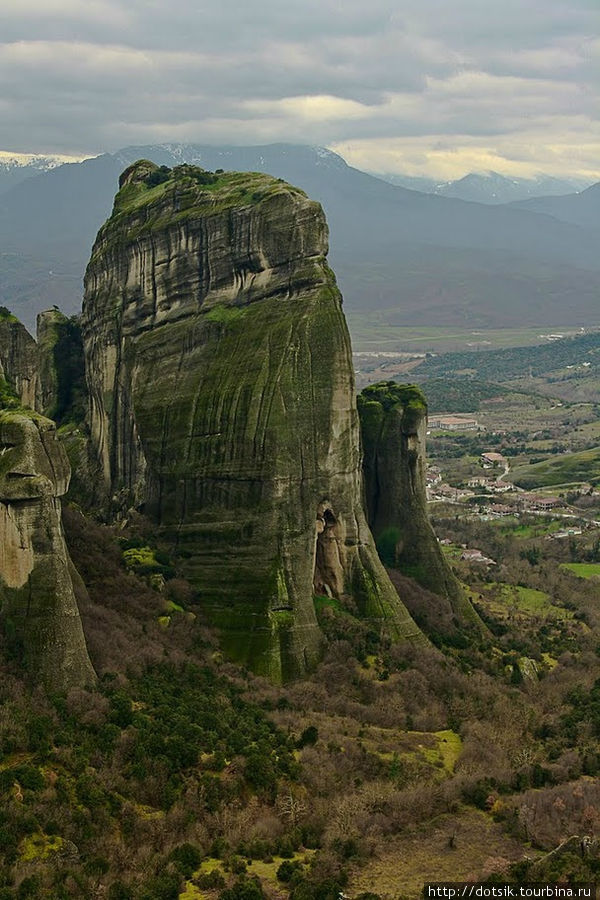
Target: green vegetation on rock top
(153,198)
(146,186)
(389,394)
(6,315)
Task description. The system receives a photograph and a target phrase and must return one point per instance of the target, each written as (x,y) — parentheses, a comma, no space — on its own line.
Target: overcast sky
(424,87)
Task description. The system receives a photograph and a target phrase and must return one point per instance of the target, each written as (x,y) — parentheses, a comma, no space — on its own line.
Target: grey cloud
(87,76)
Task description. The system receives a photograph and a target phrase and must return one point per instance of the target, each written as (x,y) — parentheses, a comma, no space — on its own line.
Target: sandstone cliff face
(49,324)
(222,402)
(61,366)
(37,604)
(19,361)
(393,421)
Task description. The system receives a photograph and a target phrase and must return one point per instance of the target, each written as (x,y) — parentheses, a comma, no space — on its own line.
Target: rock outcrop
(38,611)
(19,360)
(61,367)
(393,421)
(222,404)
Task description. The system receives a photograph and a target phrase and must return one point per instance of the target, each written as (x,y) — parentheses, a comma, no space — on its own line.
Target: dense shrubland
(181,768)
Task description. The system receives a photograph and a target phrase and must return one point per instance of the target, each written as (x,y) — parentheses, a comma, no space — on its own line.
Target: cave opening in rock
(328,579)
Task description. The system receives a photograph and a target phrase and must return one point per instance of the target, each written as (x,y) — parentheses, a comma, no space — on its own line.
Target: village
(519,500)
(490,497)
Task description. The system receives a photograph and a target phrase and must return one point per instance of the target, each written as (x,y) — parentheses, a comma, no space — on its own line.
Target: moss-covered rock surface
(18,362)
(61,367)
(222,404)
(38,610)
(393,420)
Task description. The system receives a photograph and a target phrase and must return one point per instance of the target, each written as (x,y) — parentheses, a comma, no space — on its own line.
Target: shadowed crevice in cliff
(329,570)
(222,404)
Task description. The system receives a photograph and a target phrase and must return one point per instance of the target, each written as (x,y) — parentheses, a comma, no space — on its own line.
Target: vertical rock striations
(64,396)
(38,610)
(393,420)
(19,360)
(222,403)
(61,367)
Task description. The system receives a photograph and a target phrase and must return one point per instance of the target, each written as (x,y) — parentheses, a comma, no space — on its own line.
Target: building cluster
(538,502)
(490,484)
(470,554)
(490,460)
(439,490)
(478,557)
(517,501)
(496,510)
(454,423)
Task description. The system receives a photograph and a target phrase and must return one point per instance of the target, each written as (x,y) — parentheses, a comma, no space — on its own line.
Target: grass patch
(209,865)
(191,892)
(322,602)
(504,599)
(516,528)
(39,846)
(451,551)
(445,750)
(440,750)
(549,661)
(410,860)
(225,314)
(450,748)
(374,331)
(265,871)
(568,468)
(583,570)
(171,607)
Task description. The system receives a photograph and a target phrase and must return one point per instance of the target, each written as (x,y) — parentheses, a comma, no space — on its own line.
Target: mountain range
(422,258)
(15,169)
(490,187)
